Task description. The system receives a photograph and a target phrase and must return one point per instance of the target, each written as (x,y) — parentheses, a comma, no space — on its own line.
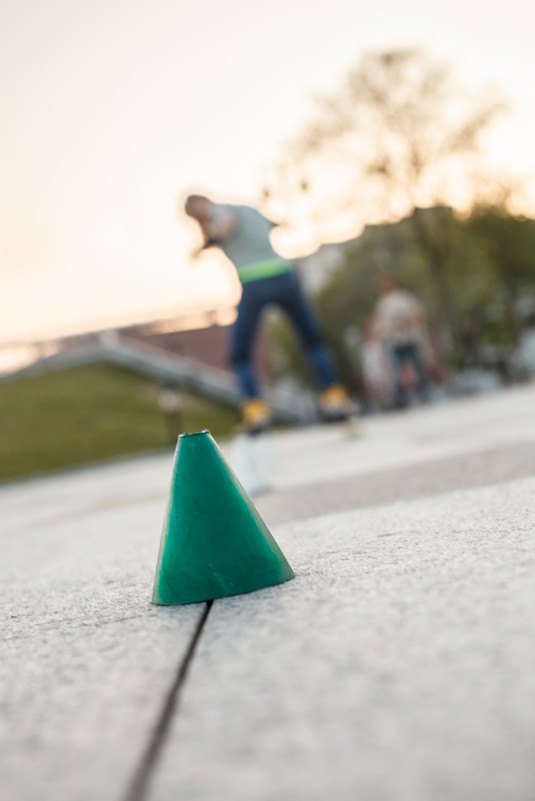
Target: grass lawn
(89,413)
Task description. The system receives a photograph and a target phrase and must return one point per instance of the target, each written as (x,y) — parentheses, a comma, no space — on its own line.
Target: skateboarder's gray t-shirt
(249,243)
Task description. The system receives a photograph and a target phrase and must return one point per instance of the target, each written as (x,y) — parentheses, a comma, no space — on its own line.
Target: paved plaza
(399,664)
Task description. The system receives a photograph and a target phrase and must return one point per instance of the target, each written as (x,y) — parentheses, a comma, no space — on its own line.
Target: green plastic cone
(214,543)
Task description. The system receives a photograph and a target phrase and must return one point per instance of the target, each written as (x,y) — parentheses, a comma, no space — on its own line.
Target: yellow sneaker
(256,415)
(334,404)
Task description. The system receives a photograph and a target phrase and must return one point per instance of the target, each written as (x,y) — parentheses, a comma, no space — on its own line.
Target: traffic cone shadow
(214,543)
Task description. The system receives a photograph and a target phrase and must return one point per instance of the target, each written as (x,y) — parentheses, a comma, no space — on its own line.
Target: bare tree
(398,136)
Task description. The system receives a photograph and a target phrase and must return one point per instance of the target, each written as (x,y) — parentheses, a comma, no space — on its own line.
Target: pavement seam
(402,483)
(138,787)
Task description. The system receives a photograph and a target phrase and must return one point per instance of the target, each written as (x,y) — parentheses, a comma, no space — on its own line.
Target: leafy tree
(510,245)
(347,300)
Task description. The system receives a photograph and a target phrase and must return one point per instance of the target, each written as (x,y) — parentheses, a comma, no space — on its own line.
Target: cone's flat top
(195,433)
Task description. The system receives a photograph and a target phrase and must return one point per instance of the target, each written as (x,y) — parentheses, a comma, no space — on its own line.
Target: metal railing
(171,368)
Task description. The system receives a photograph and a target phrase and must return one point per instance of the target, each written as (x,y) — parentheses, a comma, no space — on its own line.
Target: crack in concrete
(138,787)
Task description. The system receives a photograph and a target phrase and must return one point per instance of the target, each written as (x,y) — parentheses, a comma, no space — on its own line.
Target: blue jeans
(283,291)
(408,353)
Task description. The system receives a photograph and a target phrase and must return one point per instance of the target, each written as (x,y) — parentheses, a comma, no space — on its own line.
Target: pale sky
(111,109)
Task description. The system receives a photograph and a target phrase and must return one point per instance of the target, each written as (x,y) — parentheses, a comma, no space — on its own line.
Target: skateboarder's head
(199,207)
(387,283)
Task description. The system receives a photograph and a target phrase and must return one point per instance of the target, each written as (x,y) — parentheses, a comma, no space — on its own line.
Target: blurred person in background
(399,321)
(527,345)
(243,234)
(376,368)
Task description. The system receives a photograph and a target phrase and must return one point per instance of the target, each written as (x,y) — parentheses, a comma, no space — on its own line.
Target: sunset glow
(112,111)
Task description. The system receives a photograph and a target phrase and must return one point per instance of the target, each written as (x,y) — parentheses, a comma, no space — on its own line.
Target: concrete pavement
(399,664)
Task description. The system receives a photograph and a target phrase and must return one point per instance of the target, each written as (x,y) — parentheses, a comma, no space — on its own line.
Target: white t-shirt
(398,317)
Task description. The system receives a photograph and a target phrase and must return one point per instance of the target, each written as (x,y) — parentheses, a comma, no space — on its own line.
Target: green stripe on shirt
(263,269)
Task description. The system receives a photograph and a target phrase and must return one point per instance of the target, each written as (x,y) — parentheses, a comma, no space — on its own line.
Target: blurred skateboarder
(242,233)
